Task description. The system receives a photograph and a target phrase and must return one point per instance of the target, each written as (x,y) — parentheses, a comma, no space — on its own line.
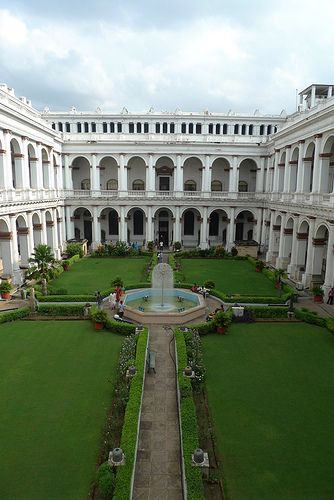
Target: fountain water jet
(162,283)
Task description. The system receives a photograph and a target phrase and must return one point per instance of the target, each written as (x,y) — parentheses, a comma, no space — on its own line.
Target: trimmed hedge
(61,310)
(119,327)
(310,317)
(65,298)
(268,312)
(195,489)
(130,426)
(14,315)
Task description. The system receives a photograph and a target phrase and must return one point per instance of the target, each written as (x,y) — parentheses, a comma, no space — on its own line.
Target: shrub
(150,246)
(234,252)
(119,327)
(268,312)
(209,284)
(106,480)
(5,287)
(117,282)
(220,251)
(177,245)
(74,249)
(98,315)
(14,315)
(61,310)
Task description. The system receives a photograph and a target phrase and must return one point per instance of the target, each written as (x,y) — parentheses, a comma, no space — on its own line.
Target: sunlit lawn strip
(56,383)
(271,393)
(229,276)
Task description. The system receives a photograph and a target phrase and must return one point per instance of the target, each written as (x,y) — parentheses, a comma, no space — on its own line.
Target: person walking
(99,300)
(112,300)
(330,296)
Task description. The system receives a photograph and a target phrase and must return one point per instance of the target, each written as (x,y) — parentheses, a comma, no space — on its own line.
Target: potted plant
(99,317)
(5,289)
(259,265)
(278,275)
(177,246)
(318,294)
(66,264)
(221,321)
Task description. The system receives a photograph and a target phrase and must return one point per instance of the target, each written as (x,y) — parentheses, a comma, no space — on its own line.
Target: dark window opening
(210,128)
(145,128)
(105,127)
(131,128)
(217,128)
(183,128)
(157,128)
(86,127)
(225,128)
(138,128)
(172,128)
(119,127)
(93,127)
(79,127)
(67,127)
(198,128)
(164,128)
(250,130)
(113,222)
(243,129)
(60,126)
(214,224)
(261,129)
(191,128)
(138,223)
(189,223)
(236,128)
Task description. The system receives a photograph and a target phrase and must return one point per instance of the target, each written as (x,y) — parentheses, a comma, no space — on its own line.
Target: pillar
(96,229)
(204,229)
(230,232)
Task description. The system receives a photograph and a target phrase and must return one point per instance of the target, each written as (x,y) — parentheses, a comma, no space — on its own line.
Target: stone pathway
(158,469)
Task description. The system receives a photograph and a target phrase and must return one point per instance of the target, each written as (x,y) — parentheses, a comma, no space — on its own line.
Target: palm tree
(42,261)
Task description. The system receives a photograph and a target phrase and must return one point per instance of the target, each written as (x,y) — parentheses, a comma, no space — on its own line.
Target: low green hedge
(130,426)
(65,298)
(268,312)
(251,299)
(195,490)
(310,317)
(119,327)
(14,315)
(61,310)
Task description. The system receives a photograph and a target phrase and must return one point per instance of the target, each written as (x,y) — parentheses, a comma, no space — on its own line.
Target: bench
(150,361)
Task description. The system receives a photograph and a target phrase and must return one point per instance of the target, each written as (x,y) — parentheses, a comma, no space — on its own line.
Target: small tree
(117,282)
(74,249)
(42,261)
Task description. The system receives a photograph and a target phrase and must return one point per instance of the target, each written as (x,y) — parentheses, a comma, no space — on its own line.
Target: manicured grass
(56,383)
(91,274)
(230,276)
(271,393)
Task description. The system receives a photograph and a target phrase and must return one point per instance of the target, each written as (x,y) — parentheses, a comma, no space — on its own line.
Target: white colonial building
(198,178)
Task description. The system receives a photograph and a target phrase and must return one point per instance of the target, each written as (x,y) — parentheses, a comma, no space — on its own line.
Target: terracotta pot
(5,295)
(99,326)
(66,268)
(317,298)
(220,329)
(257,269)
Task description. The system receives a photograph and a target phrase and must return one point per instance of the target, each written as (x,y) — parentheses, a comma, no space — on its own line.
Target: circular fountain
(162,302)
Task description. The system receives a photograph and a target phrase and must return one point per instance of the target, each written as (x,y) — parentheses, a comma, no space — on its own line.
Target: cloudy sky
(188,54)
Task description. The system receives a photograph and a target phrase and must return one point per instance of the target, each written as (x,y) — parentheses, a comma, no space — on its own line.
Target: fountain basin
(178,306)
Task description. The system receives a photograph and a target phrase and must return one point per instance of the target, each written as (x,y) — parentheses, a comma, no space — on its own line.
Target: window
(138,128)
(104,127)
(268,129)
(131,128)
(183,128)
(262,130)
(210,128)
(112,185)
(191,128)
(86,127)
(138,223)
(79,127)
(157,128)
(112,127)
(216,186)
(198,128)
(217,129)
(189,223)
(190,185)
(138,185)
(119,127)
(250,130)
(53,126)
(60,126)
(242,187)
(243,129)
(172,128)
(93,127)
(145,128)
(85,184)
(225,129)
(67,127)
(236,128)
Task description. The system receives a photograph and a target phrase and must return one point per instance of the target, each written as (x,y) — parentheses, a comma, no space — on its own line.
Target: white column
(260,175)
(234,176)
(44,238)
(276,172)
(204,229)
(281,261)
(30,234)
(270,252)
(55,241)
(293,266)
(68,173)
(300,167)
(25,164)
(329,276)
(122,176)
(258,226)
(287,170)
(307,276)
(179,175)
(206,174)
(96,229)
(123,225)
(230,233)
(8,178)
(62,226)
(317,165)
(69,224)
(17,277)
(149,226)
(150,176)
(95,174)
(177,225)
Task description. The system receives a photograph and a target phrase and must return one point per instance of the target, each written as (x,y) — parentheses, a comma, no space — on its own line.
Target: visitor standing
(330,296)
(118,293)
(161,245)
(121,309)
(99,300)
(112,300)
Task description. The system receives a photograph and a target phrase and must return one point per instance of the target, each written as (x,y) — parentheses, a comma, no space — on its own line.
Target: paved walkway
(158,471)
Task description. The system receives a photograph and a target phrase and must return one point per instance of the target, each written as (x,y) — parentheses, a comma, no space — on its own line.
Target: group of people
(200,289)
(114,299)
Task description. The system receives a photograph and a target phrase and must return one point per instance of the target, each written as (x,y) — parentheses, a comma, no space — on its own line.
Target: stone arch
(37,229)
(308,160)
(109,220)
(244,225)
(49,229)
(22,231)
(218,221)
(163,225)
(46,169)
(320,247)
(287,243)
(191,227)
(32,167)
(164,174)
(81,173)
(83,227)
(294,170)
(247,174)
(326,184)
(136,168)
(281,172)
(136,226)
(108,172)
(17,164)
(192,171)
(220,172)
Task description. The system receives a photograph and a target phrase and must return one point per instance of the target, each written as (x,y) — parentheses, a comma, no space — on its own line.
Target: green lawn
(230,276)
(271,393)
(92,274)
(55,388)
